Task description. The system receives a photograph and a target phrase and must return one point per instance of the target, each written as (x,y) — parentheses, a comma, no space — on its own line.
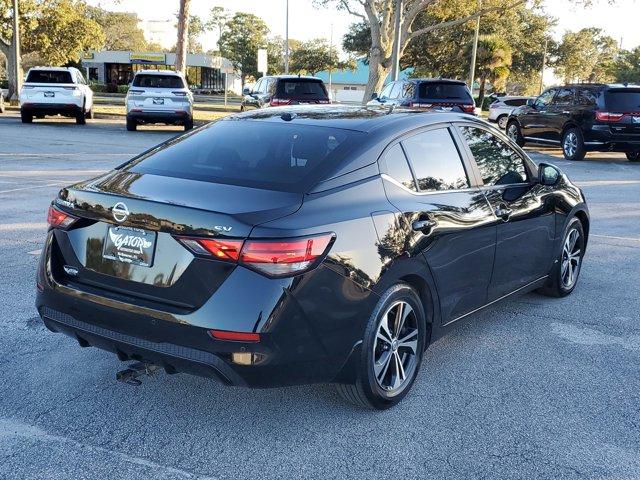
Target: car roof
(436,80)
(159,72)
(348,117)
(54,69)
(292,77)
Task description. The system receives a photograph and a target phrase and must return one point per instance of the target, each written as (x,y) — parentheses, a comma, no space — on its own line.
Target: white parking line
(631,239)
(53,173)
(598,183)
(57,184)
(67,154)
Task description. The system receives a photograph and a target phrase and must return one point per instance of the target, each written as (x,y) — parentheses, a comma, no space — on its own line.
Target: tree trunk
(483,81)
(183,37)
(378,73)
(11,66)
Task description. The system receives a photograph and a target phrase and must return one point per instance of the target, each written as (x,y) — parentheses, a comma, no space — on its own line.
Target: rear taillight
(277,102)
(608,116)
(234,336)
(468,108)
(71,88)
(271,257)
(58,219)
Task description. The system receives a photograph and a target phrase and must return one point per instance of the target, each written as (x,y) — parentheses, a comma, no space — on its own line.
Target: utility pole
(330,57)
(544,64)
(16,53)
(395,68)
(286,39)
(474,50)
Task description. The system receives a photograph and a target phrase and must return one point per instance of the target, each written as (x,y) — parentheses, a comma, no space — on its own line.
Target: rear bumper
(169,116)
(601,138)
(67,109)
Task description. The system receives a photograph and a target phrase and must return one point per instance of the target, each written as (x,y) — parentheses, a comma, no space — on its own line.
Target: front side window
(564,97)
(395,91)
(499,164)
(545,98)
(587,97)
(436,161)
(398,168)
(386,91)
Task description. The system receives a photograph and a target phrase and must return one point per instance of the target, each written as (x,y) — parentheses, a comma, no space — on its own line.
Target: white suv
(55,91)
(500,109)
(159,96)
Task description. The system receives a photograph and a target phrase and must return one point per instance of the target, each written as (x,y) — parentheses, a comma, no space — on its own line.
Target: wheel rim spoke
(409,341)
(381,367)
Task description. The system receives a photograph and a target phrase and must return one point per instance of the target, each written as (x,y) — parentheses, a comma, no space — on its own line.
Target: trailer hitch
(137,369)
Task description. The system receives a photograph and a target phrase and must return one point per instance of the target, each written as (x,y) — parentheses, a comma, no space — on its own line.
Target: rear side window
(622,100)
(564,97)
(516,102)
(47,76)
(274,156)
(499,164)
(436,161)
(398,168)
(295,88)
(158,81)
(443,91)
(587,97)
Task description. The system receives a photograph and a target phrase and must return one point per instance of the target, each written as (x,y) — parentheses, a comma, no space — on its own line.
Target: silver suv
(159,96)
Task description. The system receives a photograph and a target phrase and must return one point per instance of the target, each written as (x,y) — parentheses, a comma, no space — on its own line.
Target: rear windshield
(274,156)
(158,81)
(48,76)
(311,89)
(627,100)
(443,91)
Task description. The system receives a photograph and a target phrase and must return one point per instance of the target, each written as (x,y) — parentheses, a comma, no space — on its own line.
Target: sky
(306,22)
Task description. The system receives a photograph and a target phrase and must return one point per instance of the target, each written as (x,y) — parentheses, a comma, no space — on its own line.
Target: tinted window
(256,88)
(516,102)
(442,91)
(587,97)
(386,91)
(436,161)
(499,164)
(48,76)
(158,81)
(303,89)
(395,91)
(623,100)
(545,98)
(398,168)
(408,90)
(274,156)
(564,97)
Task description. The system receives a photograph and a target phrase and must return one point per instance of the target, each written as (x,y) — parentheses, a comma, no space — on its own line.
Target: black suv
(282,90)
(426,94)
(582,118)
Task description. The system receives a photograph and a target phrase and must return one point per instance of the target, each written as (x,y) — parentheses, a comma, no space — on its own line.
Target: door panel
(534,121)
(523,212)
(558,114)
(448,222)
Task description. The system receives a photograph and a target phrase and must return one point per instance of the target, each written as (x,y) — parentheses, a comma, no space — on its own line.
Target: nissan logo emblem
(120,212)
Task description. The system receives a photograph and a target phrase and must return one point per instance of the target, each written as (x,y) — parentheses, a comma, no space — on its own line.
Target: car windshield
(627,100)
(49,76)
(443,91)
(158,81)
(259,154)
(311,89)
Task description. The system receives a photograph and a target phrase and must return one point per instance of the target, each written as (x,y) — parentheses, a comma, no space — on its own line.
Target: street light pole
(330,56)
(474,51)
(16,53)
(544,64)
(286,40)
(395,69)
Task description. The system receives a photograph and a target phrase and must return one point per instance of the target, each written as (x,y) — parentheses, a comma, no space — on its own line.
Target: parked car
(274,91)
(159,96)
(55,91)
(501,107)
(1,101)
(307,244)
(582,118)
(426,94)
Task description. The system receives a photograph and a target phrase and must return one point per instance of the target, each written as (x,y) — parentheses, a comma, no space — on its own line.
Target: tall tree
(493,61)
(244,34)
(275,53)
(218,18)
(183,36)
(627,66)
(121,30)
(315,56)
(586,55)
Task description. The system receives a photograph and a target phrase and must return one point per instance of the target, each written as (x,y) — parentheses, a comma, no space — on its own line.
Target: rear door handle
(424,226)
(503,212)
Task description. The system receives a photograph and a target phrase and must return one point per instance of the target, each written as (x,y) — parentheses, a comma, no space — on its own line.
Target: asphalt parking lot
(536,388)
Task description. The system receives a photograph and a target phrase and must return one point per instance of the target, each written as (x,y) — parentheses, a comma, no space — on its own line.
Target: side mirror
(374,95)
(548,174)
(531,102)
(246,91)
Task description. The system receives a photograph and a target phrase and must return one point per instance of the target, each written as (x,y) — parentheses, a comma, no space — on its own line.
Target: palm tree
(493,61)
(183,36)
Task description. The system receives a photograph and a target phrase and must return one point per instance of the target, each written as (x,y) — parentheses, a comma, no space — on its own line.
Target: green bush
(123,88)
(98,87)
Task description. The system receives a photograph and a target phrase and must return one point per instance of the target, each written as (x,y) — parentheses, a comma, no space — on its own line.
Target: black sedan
(307,244)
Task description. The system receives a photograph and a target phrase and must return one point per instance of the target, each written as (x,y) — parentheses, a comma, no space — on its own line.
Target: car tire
(26,117)
(188,125)
(515,134)
(565,272)
(132,125)
(1,103)
(81,117)
(573,147)
(90,114)
(633,156)
(379,382)
(502,121)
